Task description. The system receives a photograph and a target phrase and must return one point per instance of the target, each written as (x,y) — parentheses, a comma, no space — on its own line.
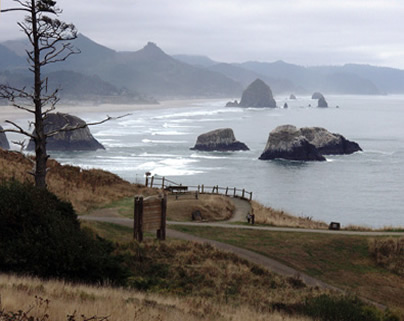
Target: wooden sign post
(150,214)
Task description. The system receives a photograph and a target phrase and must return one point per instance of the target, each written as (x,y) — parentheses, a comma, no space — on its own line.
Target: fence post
(151,182)
(161,233)
(234,195)
(202,189)
(199,188)
(242,195)
(147,181)
(250,196)
(138,219)
(227,189)
(213,189)
(162,182)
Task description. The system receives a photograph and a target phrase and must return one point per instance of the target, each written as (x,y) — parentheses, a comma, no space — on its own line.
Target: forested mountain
(101,74)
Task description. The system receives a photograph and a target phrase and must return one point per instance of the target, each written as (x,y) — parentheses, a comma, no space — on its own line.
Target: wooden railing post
(163,182)
(250,196)
(213,189)
(151,182)
(147,181)
(227,190)
(202,189)
(234,194)
(242,195)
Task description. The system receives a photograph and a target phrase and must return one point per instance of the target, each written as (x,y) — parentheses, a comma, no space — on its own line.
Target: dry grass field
(59,300)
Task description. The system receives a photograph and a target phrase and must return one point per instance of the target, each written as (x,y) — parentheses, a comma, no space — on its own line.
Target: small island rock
(257,94)
(3,140)
(286,142)
(322,103)
(317,95)
(329,143)
(219,140)
(79,139)
(292,97)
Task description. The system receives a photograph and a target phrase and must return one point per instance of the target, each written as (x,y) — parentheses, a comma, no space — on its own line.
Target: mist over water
(365,188)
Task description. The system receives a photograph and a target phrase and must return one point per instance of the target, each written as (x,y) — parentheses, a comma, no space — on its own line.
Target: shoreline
(12,113)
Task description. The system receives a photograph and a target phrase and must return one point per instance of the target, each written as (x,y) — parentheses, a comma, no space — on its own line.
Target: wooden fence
(166,184)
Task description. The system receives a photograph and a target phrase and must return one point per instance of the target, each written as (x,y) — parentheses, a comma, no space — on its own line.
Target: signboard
(149,215)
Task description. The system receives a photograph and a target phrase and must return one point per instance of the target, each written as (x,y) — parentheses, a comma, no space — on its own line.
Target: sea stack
(79,139)
(317,95)
(306,144)
(3,140)
(257,94)
(329,143)
(286,142)
(322,103)
(219,140)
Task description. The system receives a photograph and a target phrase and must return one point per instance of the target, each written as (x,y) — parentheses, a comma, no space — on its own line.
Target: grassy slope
(341,260)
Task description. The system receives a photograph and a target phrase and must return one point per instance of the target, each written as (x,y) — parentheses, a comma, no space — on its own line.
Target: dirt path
(242,209)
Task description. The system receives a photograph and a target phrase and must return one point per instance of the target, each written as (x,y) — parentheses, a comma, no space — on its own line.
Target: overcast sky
(304,32)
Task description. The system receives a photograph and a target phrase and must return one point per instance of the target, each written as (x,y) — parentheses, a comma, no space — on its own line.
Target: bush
(327,308)
(389,253)
(40,235)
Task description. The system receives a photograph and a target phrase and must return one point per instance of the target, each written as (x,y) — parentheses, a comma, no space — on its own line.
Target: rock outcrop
(329,143)
(257,94)
(219,140)
(232,104)
(292,97)
(317,95)
(79,139)
(3,140)
(322,103)
(308,143)
(287,142)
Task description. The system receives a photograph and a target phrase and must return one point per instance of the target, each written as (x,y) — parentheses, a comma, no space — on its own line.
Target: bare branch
(68,128)
(15,9)
(19,129)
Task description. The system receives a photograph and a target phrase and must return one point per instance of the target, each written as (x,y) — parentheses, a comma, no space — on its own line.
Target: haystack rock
(292,97)
(287,142)
(219,140)
(3,140)
(322,103)
(317,95)
(257,94)
(79,139)
(232,104)
(329,143)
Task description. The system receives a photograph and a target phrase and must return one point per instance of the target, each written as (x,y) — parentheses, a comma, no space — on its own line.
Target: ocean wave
(208,156)
(198,113)
(156,141)
(169,133)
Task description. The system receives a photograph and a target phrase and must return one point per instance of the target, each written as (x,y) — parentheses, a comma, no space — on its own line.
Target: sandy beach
(12,113)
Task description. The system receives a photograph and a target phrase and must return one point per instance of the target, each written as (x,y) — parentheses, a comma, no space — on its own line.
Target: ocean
(365,188)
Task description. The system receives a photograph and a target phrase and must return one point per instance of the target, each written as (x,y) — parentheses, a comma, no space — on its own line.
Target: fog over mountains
(100,74)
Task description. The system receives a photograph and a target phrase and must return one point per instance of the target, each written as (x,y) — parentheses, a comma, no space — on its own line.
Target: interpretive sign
(150,214)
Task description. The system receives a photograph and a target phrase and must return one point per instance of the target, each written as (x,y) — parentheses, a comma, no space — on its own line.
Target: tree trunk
(41,156)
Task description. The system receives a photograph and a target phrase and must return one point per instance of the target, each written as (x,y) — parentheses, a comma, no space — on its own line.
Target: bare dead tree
(50,42)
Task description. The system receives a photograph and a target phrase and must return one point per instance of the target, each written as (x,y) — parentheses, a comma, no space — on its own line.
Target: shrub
(40,235)
(344,308)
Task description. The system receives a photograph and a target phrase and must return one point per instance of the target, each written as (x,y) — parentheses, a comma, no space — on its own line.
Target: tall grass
(270,216)
(389,253)
(115,304)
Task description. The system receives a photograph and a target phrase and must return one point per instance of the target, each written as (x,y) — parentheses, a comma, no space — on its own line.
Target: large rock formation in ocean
(308,143)
(79,139)
(287,142)
(257,94)
(329,143)
(219,140)
(322,103)
(3,140)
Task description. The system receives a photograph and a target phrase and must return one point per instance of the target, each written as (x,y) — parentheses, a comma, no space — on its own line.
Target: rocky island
(79,139)
(305,144)
(219,140)
(257,94)
(3,140)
